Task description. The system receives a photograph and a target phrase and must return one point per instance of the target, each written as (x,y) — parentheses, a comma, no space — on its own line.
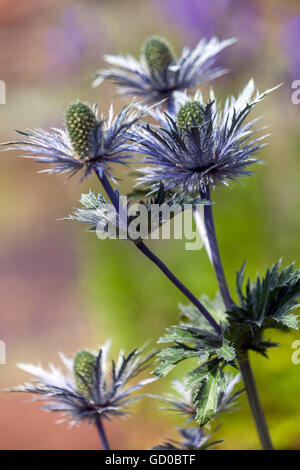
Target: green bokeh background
(63,289)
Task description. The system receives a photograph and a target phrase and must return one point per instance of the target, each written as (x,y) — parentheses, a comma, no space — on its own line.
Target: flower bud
(157,54)
(190,115)
(80,123)
(84,371)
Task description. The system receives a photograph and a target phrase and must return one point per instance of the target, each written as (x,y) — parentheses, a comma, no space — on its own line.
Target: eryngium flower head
(193,438)
(200,144)
(182,401)
(158,74)
(91,386)
(88,139)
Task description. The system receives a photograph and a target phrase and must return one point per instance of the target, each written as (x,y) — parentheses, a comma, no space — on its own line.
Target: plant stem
(254,401)
(102,434)
(108,189)
(147,252)
(144,249)
(215,253)
(245,367)
(170,108)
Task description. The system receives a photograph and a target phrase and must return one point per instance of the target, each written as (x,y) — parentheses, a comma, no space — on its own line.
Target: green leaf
(192,335)
(226,352)
(266,303)
(163,369)
(169,357)
(215,307)
(205,396)
(290,321)
(176,333)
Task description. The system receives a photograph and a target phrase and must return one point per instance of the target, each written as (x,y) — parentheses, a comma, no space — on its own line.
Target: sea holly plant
(266,304)
(200,145)
(110,145)
(182,403)
(91,389)
(190,145)
(101,215)
(158,74)
(190,439)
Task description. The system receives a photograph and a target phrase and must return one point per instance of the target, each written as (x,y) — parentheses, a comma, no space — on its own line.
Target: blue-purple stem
(144,249)
(215,253)
(102,434)
(244,363)
(170,106)
(255,404)
(150,255)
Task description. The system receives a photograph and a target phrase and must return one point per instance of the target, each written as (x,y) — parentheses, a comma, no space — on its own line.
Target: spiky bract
(217,147)
(89,140)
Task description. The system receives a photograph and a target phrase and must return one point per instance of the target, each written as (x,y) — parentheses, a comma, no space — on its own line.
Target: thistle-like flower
(88,139)
(193,438)
(200,144)
(91,388)
(158,74)
(182,401)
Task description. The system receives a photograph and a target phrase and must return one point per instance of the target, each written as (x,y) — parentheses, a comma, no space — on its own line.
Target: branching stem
(150,255)
(245,367)
(215,253)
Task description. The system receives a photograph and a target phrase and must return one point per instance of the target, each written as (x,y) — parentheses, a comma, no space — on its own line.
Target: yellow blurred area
(61,288)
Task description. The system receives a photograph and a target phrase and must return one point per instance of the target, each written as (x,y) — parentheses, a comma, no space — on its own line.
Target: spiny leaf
(290,321)
(215,307)
(269,298)
(226,352)
(205,385)
(169,357)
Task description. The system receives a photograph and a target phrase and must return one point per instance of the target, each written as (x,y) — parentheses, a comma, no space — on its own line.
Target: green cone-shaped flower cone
(84,371)
(158,55)
(80,124)
(190,115)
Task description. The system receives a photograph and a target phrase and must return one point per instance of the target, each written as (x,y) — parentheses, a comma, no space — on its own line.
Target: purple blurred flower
(290,39)
(245,23)
(200,17)
(224,18)
(65,44)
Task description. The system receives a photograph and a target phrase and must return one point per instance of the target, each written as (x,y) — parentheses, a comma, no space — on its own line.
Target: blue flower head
(87,140)
(159,73)
(199,144)
(192,438)
(182,402)
(91,386)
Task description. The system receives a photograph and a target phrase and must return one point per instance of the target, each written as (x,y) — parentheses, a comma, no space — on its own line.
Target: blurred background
(61,288)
